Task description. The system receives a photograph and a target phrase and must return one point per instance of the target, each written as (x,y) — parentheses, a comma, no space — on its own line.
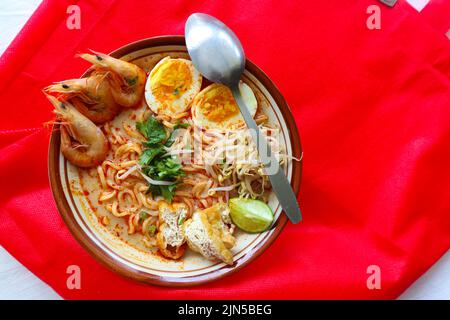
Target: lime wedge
(250,215)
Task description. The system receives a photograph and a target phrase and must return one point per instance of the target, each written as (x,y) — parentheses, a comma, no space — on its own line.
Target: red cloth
(436,13)
(372,107)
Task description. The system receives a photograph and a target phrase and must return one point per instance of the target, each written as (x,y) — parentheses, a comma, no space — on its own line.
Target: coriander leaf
(167,169)
(167,192)
(149,154)
(154,190)
(153,130)
(150,144)
(154,163)
(142,128)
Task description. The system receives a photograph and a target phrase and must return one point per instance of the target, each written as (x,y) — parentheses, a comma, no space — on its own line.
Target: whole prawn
(82,142)
(91,96)
(127,79)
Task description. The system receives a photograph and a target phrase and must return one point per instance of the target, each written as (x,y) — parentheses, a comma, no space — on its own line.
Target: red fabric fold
(436,14)
(372,107)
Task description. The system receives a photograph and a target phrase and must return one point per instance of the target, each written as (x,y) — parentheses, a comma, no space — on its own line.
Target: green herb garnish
(154,163)
(166,169)
(153,130)
(150,153)
(168,192)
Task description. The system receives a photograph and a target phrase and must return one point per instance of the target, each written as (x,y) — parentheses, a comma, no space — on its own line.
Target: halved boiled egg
(215,108)
(171,86)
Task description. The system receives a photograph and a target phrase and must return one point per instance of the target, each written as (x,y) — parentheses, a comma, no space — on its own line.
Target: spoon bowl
(214,49)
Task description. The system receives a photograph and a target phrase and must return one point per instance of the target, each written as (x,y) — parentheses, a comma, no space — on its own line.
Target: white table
(17,282)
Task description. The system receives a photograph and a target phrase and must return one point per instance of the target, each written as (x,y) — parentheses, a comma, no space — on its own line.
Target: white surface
(418,4)
(434,284)
(13,15)
(17,282)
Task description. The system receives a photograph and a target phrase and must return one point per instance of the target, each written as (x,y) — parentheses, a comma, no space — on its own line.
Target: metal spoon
(218,54)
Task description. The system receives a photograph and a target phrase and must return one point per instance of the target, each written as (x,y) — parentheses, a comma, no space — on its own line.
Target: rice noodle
(217,165)
(232,156)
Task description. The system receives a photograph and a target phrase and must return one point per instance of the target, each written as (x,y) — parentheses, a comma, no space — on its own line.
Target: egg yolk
(218,104)
(171,80)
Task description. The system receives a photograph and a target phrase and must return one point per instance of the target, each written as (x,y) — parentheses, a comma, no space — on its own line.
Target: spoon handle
(278,180)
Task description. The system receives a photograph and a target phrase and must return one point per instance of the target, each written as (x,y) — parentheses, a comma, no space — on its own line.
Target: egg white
(183,102)
(201,120)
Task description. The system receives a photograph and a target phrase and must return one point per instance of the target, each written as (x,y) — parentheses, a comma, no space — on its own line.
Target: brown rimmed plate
(75,190)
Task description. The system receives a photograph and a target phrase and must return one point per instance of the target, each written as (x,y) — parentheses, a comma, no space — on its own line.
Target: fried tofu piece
(207,234)
(170,238)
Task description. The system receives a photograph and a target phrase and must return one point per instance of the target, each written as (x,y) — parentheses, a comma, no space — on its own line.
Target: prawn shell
(78,158)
